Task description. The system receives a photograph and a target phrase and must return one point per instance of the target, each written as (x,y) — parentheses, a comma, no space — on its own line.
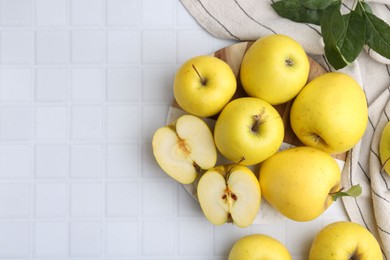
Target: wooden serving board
(233,56)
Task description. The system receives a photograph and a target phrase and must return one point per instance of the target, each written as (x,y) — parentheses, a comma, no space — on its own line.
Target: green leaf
(354,39)
(317,4)
(354,192)
(333,31)
(377,34)
(295,11)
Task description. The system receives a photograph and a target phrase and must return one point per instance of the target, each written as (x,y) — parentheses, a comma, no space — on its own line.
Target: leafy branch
(344,35)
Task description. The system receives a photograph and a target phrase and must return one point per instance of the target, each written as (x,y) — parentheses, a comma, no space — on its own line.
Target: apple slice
(185,148)
(229,193)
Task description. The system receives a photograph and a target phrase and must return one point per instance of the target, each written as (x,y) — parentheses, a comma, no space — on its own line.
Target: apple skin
(185,148)
(298,182)
(204,94)
(330,113)
(344,240)
(229,194)
(384,148)
(248,128)
(258,246)
(275,68)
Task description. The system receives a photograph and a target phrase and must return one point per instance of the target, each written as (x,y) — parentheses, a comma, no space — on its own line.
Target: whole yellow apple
(229,194)
(258,246)
(299,182)
(384,148)
(330,113)
(203,85)
(275,68)
(248,130)
(344,240)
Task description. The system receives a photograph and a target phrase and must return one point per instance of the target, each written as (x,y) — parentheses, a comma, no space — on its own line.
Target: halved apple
(229,194)
(185,148)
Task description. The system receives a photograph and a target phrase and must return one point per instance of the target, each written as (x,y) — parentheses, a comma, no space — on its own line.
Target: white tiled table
(83,86)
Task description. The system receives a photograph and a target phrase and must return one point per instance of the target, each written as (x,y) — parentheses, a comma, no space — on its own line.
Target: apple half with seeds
(185,148)
(229,194)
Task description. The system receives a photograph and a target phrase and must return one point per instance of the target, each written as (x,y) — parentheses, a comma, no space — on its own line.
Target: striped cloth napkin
(244,20)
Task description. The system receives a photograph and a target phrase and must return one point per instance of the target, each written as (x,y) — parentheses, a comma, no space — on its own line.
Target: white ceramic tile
(158,47)
(17,47)
(15,161)
(87,46)
(158,199)
(195,238)
(276,229)
(122,199)
(122,12)
(16,85)
(157,84)
(51,123)
(16,13)
(51,200)
(153,117)
(51,161)
(52,84)
(51,12)
(225,236)
(15,238)
(15,200)
(86,199)
(122,161)
(186,38)
(122,84)
(122,239)
(187,206)
(86,12)
(122,122)
(157,14)
(87,84)
(123,47)
(183,19)
(157,237)
(52,47)
(15,123)
(51,239)
(86,239)
(86,161)
(306,231)
(86,122)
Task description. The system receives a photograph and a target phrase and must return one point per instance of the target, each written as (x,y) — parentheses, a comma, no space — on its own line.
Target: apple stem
(256,122)
(202,80)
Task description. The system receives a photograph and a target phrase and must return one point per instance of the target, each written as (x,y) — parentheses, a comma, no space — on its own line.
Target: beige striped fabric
(243,20)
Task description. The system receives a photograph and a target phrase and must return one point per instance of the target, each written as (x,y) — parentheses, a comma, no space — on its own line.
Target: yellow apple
(203,85)
(275,68)
(229,194)
(258,246)
(344,240)
(299,182)
(384,148)
(248,130)
(185,148)
(330,113)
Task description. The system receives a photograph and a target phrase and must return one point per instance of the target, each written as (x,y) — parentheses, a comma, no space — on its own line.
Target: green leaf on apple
(354,192)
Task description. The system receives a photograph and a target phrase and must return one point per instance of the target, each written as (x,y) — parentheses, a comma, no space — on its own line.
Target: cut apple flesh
(185,148)
(234,198)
